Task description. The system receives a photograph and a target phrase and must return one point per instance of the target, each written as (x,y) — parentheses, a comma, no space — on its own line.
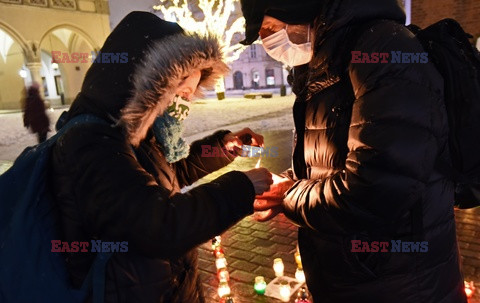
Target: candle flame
(258,163)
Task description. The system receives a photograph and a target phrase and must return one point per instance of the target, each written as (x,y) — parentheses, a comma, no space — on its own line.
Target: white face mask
(280,48)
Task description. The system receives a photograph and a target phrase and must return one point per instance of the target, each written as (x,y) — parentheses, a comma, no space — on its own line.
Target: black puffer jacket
(106,191)
(366,162)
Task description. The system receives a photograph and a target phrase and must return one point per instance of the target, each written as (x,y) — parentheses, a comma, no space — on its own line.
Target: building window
(255,79)
(270,77)
(253,51)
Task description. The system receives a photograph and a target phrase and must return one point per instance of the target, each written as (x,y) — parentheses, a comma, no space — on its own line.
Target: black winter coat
(34,116)
(369,140)
(107,190)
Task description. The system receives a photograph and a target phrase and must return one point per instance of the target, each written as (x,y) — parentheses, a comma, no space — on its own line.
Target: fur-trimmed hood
(160,55)
(157,77)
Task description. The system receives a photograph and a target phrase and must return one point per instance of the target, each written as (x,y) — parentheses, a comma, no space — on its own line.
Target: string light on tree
(218,17)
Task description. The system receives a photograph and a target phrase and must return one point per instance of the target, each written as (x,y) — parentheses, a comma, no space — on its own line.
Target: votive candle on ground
(278,267)
(260,285)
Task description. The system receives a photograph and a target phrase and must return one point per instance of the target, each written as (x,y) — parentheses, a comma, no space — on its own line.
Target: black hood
(288,11)
(332,14)
(107,86)
(160,55)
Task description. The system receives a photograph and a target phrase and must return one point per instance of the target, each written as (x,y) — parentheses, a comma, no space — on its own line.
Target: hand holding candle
(270,203)
(233,142)
(261,179)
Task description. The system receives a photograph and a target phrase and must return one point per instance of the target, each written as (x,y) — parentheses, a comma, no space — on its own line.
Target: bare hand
(261,179)
(232,141)
(270,213)
(277,191)
(268,205)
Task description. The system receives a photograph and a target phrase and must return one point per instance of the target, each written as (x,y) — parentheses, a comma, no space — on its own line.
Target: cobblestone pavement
(250,248)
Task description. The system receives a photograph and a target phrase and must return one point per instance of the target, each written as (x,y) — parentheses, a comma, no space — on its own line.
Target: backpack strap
(95,279)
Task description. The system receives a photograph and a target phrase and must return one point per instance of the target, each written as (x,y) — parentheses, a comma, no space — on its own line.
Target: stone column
(34,64)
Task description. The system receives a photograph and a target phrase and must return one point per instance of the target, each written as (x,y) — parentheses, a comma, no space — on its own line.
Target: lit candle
(302,296)
(226,300)
(258,163)
(216,242)
(218,251)
(223,275)
(278,267)
(469,289)
(260,285)
(223,289)
(298,259)
(300,275)
(285,291)
(221,262)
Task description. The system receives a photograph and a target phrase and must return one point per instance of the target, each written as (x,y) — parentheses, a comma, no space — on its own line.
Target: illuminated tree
(218,17)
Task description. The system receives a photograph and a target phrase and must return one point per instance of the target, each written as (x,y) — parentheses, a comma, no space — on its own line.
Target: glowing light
(302,296)
(216,242)
(221,262)
(260,285)
(285,291)
(258,163)
(223,289)
(23,73)
(298,259)
(217,21)
(54,65)
(223,275)
(469,289)
(226,300)
(278,267)
(300,275)
(218,251)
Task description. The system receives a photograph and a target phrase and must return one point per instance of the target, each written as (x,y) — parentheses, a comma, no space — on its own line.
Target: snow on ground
(205,117)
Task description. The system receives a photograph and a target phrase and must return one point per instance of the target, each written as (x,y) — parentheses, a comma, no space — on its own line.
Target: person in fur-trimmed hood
(121,181)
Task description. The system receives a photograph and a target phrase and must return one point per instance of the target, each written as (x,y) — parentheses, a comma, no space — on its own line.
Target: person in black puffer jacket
(112,182)
(369,140)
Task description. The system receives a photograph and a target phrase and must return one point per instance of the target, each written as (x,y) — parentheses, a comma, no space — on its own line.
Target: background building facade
(255,69)
(31,29)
